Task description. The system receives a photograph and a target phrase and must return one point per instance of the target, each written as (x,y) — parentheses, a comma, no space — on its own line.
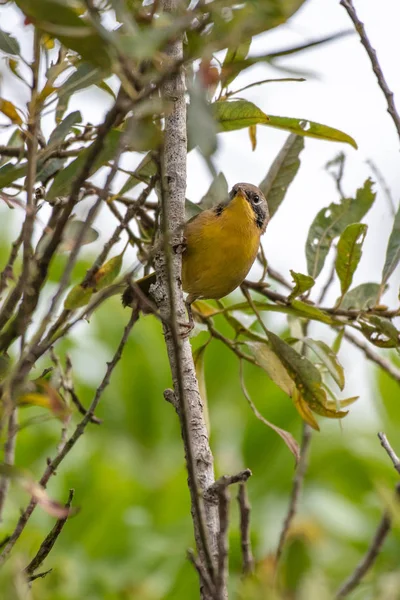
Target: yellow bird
(221,244)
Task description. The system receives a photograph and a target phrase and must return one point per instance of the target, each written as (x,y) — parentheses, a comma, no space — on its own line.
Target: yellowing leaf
(46,396)
(8,109)
(304,410)
(108,272)
(253,136)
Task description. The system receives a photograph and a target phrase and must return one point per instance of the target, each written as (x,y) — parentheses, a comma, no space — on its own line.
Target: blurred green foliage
(130,537)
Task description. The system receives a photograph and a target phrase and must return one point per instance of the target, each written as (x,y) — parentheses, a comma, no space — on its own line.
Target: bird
(220,246)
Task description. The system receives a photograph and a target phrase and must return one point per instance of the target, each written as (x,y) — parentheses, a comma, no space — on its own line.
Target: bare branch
(371,555)
(359,26)
(49,541)
(392,455)
(223,545)
(296,491)
(245,508)
(203,575)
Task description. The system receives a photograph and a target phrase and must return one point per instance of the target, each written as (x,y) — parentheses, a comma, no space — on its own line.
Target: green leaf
(328,358)
(73,231)
(272,365)
(146,169)
(305,375)
(217,192)
(84,76)
(63,181)
(393,250)
(61,131)
(310,129)
(330,222)
(56,18)
(10,173)
(308,311)
(384,334)
(349,250)
(282,172)
(234,55)
(237,114)
(16,141)
(9,44)
(108,272)
(79,296)
(201,126)
(303,283)
(362,297)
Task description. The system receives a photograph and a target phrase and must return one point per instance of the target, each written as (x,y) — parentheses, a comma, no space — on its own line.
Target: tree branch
(359,26)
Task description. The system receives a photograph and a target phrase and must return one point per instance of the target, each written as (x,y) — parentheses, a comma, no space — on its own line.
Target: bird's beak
(241,193)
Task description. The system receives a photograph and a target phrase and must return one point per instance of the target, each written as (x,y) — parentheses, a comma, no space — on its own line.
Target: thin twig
(381,180)
(203,575)
(49,541)
(371,555)
(227,480)
(296,491)
(359,26)
(223,545)
(392,455)
(245,542)
(382,362)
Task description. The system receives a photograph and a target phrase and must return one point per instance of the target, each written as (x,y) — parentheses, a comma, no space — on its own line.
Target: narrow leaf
(330,222)
(8,109)
(108,272)
(328,358)
(237,115)
(282,172)
(63,181)
(73,231)
(303,283)
(349,250)
(272,365)
(202,130)
(393,250)
(79,296)
(310,129)
(8,43)
(304,410)
(59,134)
(216,193)
(35,490)
(234,55)
(305,375)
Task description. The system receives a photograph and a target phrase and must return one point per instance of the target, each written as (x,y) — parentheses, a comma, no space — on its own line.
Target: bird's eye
(256,199)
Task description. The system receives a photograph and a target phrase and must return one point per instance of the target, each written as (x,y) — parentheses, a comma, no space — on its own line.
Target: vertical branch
(27,232)
(168,294)
(296,491)
(245,508)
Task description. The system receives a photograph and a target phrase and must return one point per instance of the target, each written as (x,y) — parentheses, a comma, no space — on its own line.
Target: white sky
(344,95)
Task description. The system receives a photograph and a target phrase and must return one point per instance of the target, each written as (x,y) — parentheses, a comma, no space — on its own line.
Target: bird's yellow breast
(220,250)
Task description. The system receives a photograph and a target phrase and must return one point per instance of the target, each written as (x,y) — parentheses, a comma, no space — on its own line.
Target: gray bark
(186,397)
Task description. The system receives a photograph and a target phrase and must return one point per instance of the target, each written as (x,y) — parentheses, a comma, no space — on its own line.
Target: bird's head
(257,201)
